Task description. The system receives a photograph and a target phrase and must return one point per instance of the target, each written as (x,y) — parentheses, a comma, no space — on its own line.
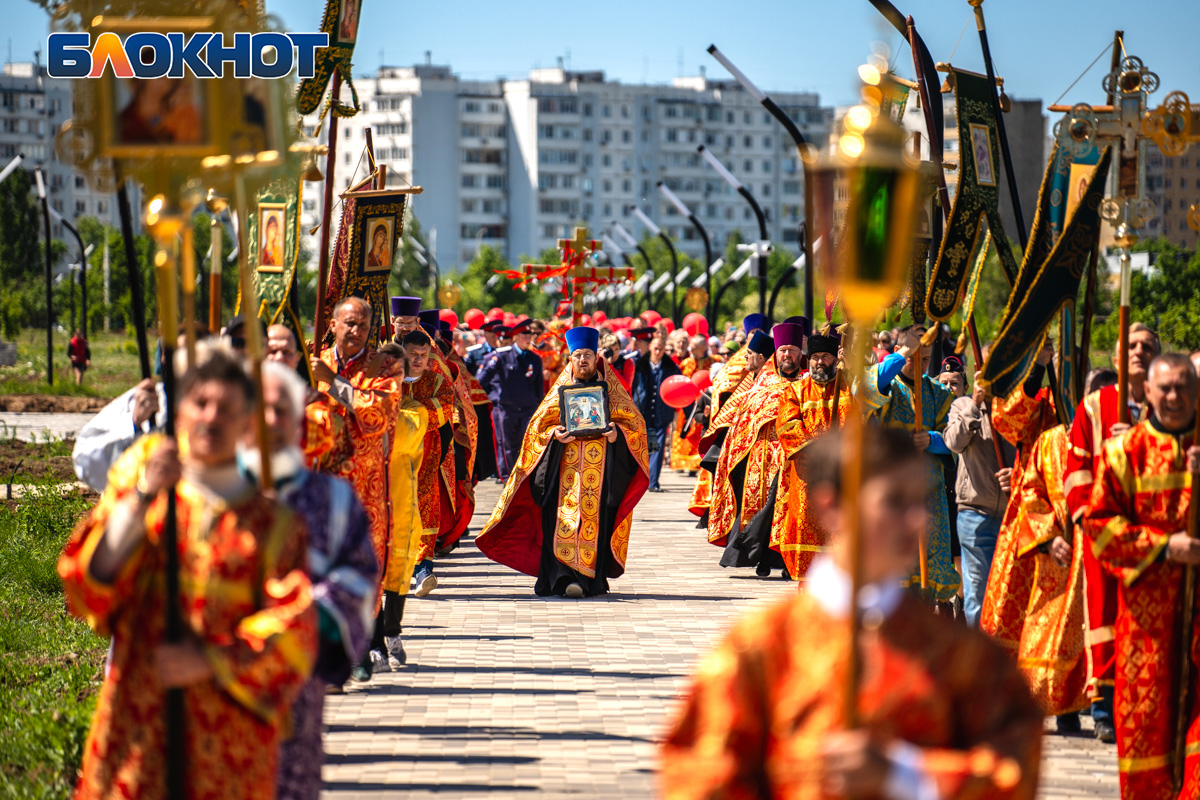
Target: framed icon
(981,149)
(583,409)
(380,239)
(167,116)
(347,27)
(272,233)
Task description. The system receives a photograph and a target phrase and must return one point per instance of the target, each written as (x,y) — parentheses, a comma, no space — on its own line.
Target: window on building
(605,136)
(587,159)
(624,112)
(101,207)
(627,186)
(766,165)
(492,206)
(607,210)
(607,185)
(496,181)
(748,166)
(791,187)
(767,142)
(625,165)
(645,134)
(587,109)
(493,108)
(471,106)
(80,207)
(547,180)
(558,105)
(647,114)
(483,157)
(746,117)
(468,206)
(80,182)
(469,130)
(626,137)
(606,111)
(558,157)
(1183,183)
(670,111)
(670,135)
(766,192)
(586,185)
(728,142)
(568,181)
(470,181)
(545,131)
(587,134)
(747,142)
(606,160)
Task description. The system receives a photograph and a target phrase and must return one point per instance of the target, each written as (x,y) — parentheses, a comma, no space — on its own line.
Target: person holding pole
(942,713)
(250,627)
(1142,530)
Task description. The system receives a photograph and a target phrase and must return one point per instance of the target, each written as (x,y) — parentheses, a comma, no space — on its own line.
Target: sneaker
(360,673)
(378,662)
(426,583)
(574,591)
(1105,732)
(396,657)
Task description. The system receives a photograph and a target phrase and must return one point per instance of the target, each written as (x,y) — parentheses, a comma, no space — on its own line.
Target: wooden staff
(188,259)
(217,238)
(137,297)
(851,485)
(176,751)
(1186,623)
(254,336)
(335,90)
(918,426)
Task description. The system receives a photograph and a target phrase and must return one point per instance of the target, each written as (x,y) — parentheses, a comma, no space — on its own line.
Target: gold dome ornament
(696,299)
(448,295)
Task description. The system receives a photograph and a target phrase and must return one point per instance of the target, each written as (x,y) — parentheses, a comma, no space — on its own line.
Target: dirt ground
(51,404)
(35,461)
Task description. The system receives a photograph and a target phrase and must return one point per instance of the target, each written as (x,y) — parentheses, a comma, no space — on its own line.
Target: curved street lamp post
(708,259)
(763,246)
(649,223)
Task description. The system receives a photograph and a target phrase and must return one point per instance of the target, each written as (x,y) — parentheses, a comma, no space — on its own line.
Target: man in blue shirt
(648,376)
(512,378)
(476,354)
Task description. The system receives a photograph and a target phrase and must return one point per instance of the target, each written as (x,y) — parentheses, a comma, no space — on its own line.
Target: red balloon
(496,313)
(670,325)
(585,319)
(678,392)
(651,316)
(474,318)
(695,324)
(522,317)
(510,319)
(701,379)
(599,317)
(448,315)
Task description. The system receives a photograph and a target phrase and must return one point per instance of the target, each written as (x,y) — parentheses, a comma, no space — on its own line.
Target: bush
(50,662)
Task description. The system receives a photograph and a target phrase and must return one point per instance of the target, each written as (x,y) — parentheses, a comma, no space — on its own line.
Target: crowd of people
(1060,534)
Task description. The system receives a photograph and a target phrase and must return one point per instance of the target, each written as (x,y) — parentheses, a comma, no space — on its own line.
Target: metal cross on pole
(575,253)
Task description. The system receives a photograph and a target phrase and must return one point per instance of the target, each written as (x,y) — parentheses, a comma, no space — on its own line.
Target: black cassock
(619,470)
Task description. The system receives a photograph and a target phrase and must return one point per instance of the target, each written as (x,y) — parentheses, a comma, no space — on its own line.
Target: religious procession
(966,548)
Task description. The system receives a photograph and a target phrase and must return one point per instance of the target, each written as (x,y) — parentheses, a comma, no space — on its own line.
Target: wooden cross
(575,275)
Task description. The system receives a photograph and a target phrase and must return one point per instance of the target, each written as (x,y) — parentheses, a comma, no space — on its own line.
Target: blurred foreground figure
(250,629)
(943,713)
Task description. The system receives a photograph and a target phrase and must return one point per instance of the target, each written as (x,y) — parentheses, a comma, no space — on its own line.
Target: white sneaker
(396,657)
(574,591)
(426,583)
(379,663)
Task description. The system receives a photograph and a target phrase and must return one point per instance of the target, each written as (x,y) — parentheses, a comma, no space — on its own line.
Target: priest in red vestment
(1136,520)
(1096,419)
(250,625)
(941,712)
(566,511)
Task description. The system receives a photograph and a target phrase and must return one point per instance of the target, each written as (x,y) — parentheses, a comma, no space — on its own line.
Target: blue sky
(1040,46)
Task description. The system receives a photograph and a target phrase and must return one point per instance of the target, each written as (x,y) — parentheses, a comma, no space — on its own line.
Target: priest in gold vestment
(565,513)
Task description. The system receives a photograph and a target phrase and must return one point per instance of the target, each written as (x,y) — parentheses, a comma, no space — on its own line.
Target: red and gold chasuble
(513,533)
(685,444)
(435,479)
(1140,497)
(1051,652)
(807,409)
(1020,419)
(362,455)
(465,428)
(752,439)
(766,698)
(246,600)
(1094,419)
(731,380)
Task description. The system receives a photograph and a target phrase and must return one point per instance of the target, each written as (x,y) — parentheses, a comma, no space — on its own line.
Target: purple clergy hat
(788,333)
(406,306)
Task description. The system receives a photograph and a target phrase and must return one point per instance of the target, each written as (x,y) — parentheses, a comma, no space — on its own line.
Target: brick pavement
(513,695)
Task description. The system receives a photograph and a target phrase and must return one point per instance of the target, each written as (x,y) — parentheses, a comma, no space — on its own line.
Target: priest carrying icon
(564,515)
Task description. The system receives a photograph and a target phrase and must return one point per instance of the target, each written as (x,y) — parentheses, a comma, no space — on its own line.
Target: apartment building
(516,164)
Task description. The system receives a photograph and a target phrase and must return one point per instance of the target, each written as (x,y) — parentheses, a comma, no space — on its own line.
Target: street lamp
(708,259)
(620,230)
(84,253)
(804,151)
(763,246)
(41,189)
(737,275)
(657,231)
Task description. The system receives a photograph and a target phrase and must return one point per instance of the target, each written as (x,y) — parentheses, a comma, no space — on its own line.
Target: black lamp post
(632,242)
(41,188)
(84,252)
(802,150)
(657,231)
(763,238)
(708,259)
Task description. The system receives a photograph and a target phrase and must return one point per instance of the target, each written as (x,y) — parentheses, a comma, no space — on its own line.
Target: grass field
(114,365)
(50,662)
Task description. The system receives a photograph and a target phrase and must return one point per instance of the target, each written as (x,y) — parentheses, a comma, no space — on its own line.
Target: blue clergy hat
(754,321)
(762,344)
(583,339)
(429,317)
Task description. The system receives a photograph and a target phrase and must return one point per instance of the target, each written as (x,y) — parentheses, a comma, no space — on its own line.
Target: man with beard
(1136,522)
(1096,420)
(810,407)
(729,381)
(405,316)
(887,393)
(341,566)
(751,458)
(565,514)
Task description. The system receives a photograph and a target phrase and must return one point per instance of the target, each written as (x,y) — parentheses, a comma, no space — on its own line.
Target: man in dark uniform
(478,352)
(640,345)
(512,378)
(648,376)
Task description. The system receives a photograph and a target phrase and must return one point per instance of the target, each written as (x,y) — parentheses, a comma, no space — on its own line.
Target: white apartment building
(33,107)
(517,164)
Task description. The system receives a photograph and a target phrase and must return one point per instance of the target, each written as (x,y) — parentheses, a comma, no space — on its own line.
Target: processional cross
(576,276)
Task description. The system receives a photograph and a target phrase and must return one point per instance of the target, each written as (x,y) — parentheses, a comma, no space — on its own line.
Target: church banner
(340,21)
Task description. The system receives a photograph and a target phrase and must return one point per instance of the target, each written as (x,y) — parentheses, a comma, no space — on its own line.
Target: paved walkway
(33,426)
(512,695)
